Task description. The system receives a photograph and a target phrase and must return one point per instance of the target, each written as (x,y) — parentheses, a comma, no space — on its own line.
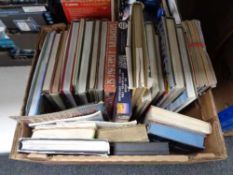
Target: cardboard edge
(122,160)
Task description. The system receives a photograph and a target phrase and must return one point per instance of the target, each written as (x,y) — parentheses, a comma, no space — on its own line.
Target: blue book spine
(226,119)
(176,134)
(123,98)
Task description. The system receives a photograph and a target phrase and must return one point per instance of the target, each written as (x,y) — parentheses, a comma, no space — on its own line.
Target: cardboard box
(204,109)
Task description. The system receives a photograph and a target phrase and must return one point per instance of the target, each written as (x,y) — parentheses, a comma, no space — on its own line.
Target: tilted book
(123,96)
(162,116)
(176,134)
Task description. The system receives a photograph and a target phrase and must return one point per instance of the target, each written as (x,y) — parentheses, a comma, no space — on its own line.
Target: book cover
(64,146)
(176,134)
(135,133)
(175,147)
(77,9)
(162,116)
(124,95)
(83,79)
(156,148)
(110,66)
(66,89)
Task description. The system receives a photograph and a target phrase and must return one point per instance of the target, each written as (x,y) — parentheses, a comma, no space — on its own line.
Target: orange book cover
(77,9)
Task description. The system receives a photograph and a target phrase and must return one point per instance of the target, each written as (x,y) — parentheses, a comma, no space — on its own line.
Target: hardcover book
(165,117)
(123,96)
(110,67)
(158,148)
(136,133)
(64,146)
(176,134)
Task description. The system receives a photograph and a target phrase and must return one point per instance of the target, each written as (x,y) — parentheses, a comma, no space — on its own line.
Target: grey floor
(10,167)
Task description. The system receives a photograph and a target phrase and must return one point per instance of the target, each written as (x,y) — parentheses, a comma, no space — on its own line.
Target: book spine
(165,54)
(77,9)
(110,66)
(123,104)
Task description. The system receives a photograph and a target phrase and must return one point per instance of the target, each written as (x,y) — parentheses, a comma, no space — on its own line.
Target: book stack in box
(115,87)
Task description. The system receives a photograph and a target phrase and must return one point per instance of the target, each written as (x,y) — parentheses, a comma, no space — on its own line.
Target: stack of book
(184,133)
(128,65)
(163,76)
(138,69)
(78,135)
(70,70)
(203,72)
(77,130)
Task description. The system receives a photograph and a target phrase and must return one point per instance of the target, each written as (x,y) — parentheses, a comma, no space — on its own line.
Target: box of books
(120,92)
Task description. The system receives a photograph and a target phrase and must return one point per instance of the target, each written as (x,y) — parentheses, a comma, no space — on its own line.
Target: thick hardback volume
(179,135)
(64,146)
(64,133)
(123,97)
(156,148)
(138,55)
(110,67)
(77,9)
(56,85)
(83,79)
(202,68)
(66,89)
(162,116)
(91,91)
(189,95)
(165,54)
(49,76)
(78,56)
(99,86)
(135,133)
(172,61)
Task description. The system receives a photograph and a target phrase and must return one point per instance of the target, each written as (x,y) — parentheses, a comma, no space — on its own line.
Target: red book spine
(110,72)
(77,9)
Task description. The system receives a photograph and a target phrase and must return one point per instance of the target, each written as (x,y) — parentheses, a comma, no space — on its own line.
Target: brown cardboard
(204,109)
